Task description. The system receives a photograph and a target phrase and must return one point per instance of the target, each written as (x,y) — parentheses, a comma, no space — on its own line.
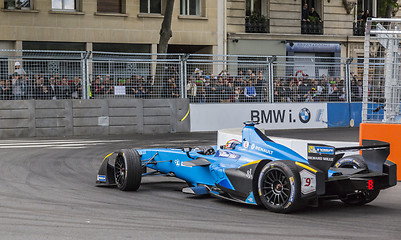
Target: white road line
(55,144)
(58,142)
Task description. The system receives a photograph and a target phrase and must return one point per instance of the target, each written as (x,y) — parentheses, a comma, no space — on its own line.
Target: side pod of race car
(259,171)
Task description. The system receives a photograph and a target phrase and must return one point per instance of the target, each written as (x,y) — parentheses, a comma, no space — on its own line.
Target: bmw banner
(213,117)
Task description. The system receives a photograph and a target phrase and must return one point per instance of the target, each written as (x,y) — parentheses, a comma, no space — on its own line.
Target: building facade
(280,27)
(108,25)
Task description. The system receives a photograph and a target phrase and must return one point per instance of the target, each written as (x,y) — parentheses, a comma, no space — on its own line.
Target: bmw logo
(304,115)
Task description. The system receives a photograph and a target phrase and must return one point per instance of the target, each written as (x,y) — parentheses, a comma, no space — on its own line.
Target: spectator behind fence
(5,89)
(28,87)
(98,87)
(18,69)
(211,91)
(225,91)
(317,91)
(303,90)
(17,86)
(250,92)
(333,92)
(191,90)
(53,89)
(38,87)
(149,86)
(45,94)
(259,87)
(108,85)
(65,89)
(76,88)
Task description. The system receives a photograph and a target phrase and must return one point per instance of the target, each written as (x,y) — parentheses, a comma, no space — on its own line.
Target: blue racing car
(258,171)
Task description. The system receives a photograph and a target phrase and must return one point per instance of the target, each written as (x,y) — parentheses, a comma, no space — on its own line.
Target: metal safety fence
(382,76)
(201,78)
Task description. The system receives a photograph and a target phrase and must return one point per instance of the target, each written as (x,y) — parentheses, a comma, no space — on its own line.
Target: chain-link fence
(119,75)
(382,80)
(41,74)
(199,77)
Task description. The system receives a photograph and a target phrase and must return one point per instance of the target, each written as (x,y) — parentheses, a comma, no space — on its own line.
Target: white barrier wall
(212,117)
(298,145)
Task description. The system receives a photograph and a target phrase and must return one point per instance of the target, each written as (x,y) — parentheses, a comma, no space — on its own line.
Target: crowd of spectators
(323,89)
(20,86)
(136,86)
(244,87)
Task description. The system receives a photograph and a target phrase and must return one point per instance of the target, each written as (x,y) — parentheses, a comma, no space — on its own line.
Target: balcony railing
(359,28)
(311,27)
(260,26)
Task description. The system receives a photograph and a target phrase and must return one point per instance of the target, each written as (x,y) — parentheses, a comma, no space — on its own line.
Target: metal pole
(366,71)
(270,78)
(348,79)
(184,74)
(83,74)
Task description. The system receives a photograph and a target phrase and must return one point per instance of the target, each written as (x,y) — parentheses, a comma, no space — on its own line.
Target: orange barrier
(390,133)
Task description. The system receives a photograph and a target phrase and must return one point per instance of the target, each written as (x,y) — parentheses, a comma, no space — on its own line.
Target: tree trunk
(165,35)
(390,7)
(165,31)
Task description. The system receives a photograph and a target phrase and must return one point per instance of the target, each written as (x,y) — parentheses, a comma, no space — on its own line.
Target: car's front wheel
(128,170)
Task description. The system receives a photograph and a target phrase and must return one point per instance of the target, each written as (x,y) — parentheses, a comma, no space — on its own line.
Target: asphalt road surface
(48,191)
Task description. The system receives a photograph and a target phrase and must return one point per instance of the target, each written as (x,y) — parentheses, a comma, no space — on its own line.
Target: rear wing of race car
(374,153)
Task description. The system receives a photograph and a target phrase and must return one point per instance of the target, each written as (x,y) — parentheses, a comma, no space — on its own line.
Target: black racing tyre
(360,197)
(279,187)
(128,170)
(353,161)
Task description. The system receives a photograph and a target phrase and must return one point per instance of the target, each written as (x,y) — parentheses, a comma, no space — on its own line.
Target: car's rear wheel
(128,170)
(353,161)
(359,197)
(279,186)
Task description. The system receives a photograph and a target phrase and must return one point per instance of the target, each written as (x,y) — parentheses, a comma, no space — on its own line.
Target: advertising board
(212,117)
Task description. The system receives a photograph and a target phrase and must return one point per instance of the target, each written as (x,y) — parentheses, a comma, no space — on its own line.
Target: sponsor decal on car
(250,198)
(249,173)
(227,154)
(101,178)
(141,152)
(177,162)
(246,144)
(257,148)
(321,150)
(291,199)
(308,182)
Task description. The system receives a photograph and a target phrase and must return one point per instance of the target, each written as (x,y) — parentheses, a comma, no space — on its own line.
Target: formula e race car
(259,171)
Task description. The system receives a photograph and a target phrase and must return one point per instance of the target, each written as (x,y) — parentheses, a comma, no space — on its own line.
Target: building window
(191,7)
(151,6)
(255,19)
(17,4)
(253,6)
(312,17)
(64,5)
(109,6)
